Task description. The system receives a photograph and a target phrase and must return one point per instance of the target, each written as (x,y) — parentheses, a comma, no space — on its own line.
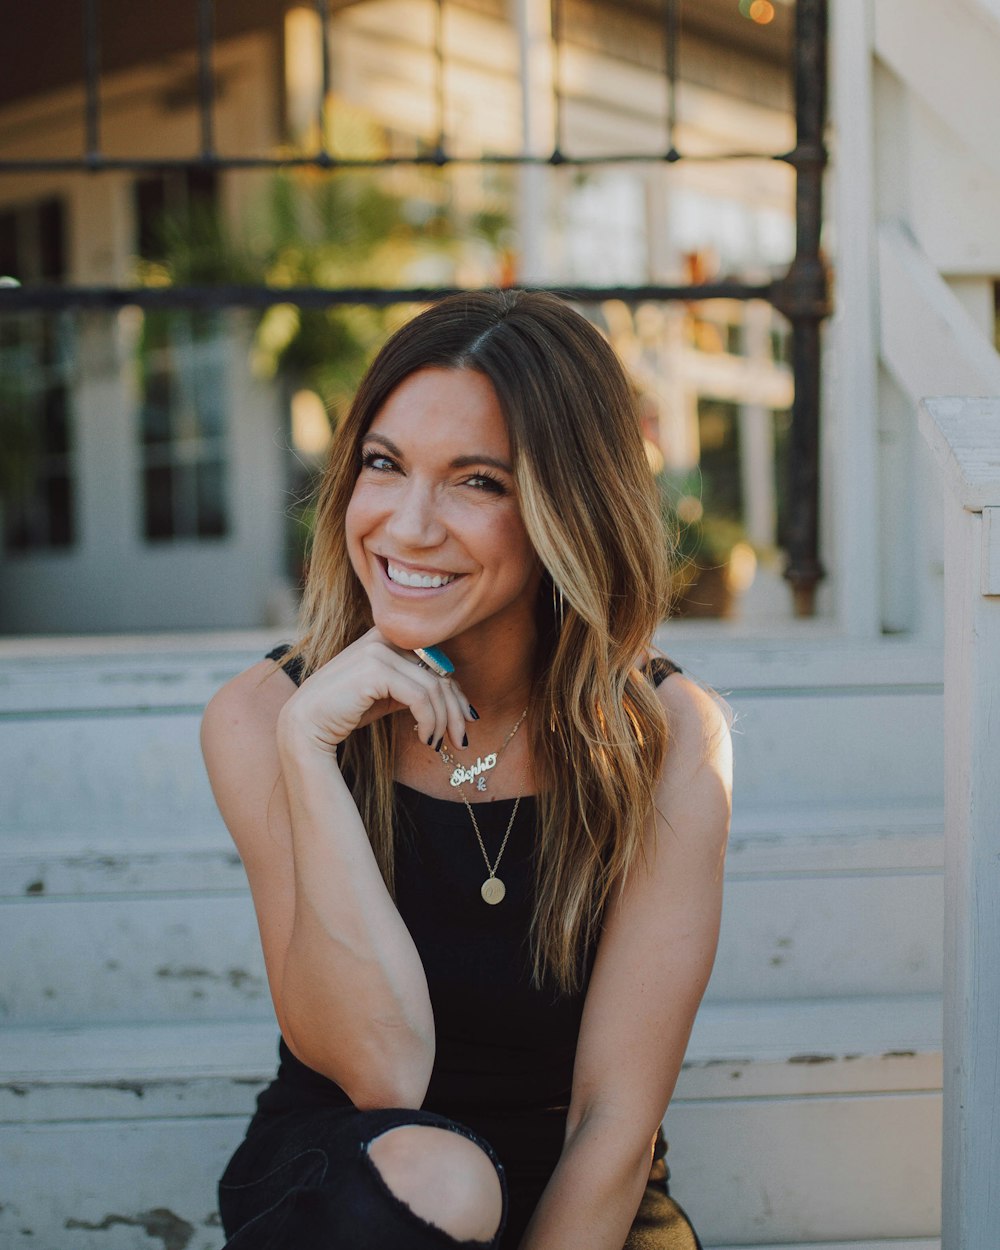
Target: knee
(443,1177)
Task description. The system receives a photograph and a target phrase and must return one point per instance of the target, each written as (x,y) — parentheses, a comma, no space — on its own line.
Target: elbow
(373,1076)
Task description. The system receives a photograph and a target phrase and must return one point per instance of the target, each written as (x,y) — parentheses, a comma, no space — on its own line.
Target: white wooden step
(779,1112)
(886,1243)
(104,731)
(844,902)
(810,1122)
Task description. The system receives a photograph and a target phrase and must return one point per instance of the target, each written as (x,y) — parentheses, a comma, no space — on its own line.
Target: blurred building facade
(151,487)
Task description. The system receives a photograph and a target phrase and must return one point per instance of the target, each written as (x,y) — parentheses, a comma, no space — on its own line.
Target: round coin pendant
(493,890)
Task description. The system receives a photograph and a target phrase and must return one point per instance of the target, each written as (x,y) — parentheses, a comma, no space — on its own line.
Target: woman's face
(434,530)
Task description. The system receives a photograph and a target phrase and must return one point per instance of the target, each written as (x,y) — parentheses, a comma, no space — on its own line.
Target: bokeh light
(762,12)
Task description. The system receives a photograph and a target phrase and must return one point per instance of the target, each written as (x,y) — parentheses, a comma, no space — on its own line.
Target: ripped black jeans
(305,1181)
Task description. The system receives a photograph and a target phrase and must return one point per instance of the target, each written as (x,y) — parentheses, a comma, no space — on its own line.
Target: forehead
(444,404)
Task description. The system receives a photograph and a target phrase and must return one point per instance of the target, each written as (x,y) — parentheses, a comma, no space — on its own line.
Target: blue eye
(377,460)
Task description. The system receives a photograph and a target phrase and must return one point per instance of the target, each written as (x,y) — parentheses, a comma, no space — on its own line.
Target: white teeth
(426,580)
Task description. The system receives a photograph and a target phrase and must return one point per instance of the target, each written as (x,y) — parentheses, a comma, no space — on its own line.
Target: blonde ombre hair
(591,510)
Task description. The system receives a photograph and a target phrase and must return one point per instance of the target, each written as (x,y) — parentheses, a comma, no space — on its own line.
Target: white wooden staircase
(137,1027)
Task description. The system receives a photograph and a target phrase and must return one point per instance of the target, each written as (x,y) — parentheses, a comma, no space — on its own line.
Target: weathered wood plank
(182,958)
(792,841)
(107,773)
(120,869)
(906,1243)
(128,771)
(135,1071)
(197,955)
(852,935)
(808,1170)
(114,1185)
(877,1150)
(737,1050)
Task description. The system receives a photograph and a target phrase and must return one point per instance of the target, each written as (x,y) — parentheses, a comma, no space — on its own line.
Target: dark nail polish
(465,740)
(473,713)
(439,743)
(430,741)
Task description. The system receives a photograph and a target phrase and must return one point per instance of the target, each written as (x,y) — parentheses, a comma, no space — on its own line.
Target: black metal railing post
(802,295)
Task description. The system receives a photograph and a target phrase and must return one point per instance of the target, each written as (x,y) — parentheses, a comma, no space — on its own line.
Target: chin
(406,636)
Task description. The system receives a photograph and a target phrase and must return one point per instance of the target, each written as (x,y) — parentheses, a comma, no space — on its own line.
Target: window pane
(155,417)
(51,241)
(211,486)
(59,499)
(55,427)
(158,482)
(8,245)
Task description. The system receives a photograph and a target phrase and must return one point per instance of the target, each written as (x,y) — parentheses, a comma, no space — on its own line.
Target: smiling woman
(465,1061)
(434,530)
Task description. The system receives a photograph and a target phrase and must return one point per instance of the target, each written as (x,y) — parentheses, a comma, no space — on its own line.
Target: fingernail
(439,742)
(473,713)
(465,740)
(430,741)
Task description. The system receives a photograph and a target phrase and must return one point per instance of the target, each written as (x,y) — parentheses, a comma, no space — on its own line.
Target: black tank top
(504,1048)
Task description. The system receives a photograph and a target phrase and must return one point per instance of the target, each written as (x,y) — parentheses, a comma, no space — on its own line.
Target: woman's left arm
(653,963)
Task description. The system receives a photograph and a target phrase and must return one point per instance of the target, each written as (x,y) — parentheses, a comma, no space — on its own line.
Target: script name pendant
(493,890)
(473,772)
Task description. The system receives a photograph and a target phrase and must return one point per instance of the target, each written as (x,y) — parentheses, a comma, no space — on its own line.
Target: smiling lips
(423,581)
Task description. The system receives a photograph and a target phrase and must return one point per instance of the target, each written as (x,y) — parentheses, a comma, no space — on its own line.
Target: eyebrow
(460,462)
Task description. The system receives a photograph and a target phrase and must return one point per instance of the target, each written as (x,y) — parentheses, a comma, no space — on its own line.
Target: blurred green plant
(702,545)
(312,229)
(20,436)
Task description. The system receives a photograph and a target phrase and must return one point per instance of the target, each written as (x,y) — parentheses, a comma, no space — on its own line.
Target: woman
(488,898)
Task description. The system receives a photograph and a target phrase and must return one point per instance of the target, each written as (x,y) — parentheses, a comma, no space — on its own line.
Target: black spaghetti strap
(659,668)
(294,668)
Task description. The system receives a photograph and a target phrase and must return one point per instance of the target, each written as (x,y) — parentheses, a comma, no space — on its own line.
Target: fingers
(437,704)
(457,707)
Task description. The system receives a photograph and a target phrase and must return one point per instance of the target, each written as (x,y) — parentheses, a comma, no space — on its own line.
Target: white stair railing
(965,437)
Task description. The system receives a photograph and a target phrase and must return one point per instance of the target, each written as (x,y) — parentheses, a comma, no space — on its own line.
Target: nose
(414,521)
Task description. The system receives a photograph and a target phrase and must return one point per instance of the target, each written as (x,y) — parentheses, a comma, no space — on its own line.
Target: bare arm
(347,983)
(652,966)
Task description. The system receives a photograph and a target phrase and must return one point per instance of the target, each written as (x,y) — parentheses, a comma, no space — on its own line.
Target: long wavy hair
(590,507)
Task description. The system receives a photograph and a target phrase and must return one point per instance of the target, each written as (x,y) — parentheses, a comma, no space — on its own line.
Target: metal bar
(92,87)
(555,25)
(206,84)
(802,296)
(325,139)
(671,47)
(80,165)
(439,92)
(110,298)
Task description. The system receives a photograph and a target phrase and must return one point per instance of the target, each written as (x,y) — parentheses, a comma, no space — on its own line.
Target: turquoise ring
(434,659)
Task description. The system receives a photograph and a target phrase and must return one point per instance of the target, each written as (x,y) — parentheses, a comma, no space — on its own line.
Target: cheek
(355,527)
(525,560)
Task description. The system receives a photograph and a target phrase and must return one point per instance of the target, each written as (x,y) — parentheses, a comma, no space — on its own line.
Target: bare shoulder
(245,710)
(698,723)
(239,743)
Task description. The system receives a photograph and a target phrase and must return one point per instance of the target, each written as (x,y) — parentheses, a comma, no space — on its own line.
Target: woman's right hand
(369,679)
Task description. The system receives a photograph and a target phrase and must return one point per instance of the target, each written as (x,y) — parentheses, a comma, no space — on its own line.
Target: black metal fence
(801,294)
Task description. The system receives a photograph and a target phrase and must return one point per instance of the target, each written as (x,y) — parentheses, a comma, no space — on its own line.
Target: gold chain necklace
(474,772)
(493,889)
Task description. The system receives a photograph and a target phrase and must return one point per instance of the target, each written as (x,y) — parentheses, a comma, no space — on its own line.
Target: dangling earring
(558,606)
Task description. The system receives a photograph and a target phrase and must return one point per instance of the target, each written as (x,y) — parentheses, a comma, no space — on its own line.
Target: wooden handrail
(964,435)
